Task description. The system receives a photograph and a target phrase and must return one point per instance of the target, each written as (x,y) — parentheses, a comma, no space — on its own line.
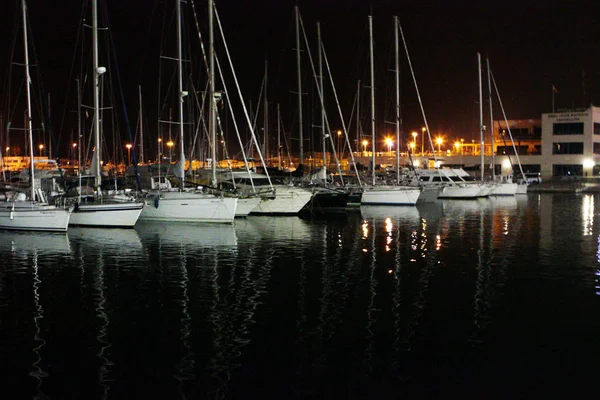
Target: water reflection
(203,235)
(413,299)
(279,229)
(127,241)
(588,213)
(37,372)
(43,244)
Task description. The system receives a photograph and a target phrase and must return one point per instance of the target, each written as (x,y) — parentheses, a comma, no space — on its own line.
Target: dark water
(493,298)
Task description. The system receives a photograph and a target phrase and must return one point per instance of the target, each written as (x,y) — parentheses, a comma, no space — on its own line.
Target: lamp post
(423,140)
(439,142)
(339,135)
(412,147)
(170,145)
(365,143)
(389,142)
(73,146)
(159,149)
(7,151)
(414,135)
(128,146)
(41,147)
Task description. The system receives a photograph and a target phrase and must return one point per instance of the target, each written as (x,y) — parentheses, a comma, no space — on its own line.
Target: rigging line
(507,127)
(147,45)
(110,37)
(66,100)
(237,131)
(240,95)
(13,46)
(163,38)
(322,101)
(417,90)
(283,54)
(346,130)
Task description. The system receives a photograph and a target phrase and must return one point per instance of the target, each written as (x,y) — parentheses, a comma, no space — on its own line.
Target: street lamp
(73,146)
(439,142)
(170,145)
(389,142)
(339,135)
(412,147)
(7,150)
(128,146)
(414,135)
(41,147)
(423,129)
(365,143)
(159,149)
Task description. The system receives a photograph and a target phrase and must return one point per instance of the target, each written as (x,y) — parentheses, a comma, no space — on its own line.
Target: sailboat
(249,185)
(33,214)
(182,205)
(102,211)
(384,195)
(502,185)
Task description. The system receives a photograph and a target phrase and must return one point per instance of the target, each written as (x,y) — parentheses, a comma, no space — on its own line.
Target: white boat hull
(31,216)
(460,191)
(106,215)
(428,194)
(246,205)
(188,207)
(390,195)
(521,189)
(504,189)
(288,200)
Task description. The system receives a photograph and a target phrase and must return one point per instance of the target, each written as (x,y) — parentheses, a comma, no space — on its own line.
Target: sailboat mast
(358,115)
(481,142)
(141,126)
(97,72)
(278,137)
(372,99)
(28,85)
(265,149)
(491,118)
(297,10)
(180,95)
(320,60)
(212,120)
(397,69)
(79,136)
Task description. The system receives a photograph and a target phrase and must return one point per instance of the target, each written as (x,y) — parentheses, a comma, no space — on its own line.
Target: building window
(596,148)
(567,148)
(537,132)
(531,168)
(568,128)
(596,128)
(567,170)
(509,150)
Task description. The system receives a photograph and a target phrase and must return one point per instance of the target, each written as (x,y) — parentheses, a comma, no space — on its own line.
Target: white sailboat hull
(288,200)
(107,215)
(521,188)
(32,216)
(461,191)
(246,205)
(429,194)
(390,195)
(189,207)
(504,189)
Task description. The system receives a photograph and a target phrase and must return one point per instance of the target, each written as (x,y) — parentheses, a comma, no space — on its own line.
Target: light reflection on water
(387,300)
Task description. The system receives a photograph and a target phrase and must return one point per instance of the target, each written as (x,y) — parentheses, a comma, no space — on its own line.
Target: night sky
(531,45)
